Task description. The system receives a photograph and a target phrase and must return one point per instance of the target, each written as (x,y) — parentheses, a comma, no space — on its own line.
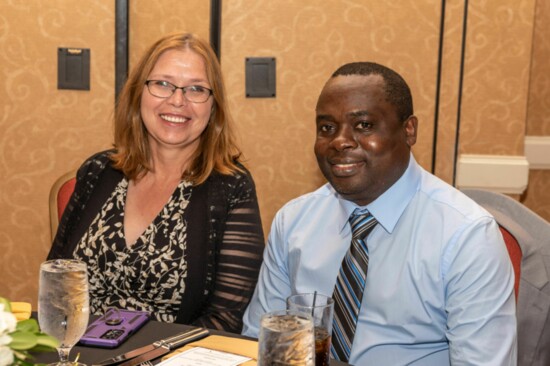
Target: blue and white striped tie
(350,284)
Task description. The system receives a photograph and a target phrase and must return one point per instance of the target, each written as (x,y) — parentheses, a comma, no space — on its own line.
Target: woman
(168,221)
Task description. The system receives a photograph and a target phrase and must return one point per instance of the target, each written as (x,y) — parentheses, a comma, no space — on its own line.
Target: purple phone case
(102,334)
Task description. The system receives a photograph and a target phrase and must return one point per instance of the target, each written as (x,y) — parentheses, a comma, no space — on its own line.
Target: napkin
(21,310)
(236,346)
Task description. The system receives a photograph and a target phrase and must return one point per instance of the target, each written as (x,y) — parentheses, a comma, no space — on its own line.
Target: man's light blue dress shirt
(439,286)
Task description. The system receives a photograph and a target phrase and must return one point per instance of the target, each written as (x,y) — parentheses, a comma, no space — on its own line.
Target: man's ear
(410,126)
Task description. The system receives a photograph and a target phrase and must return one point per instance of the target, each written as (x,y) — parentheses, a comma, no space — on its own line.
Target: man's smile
(344,169)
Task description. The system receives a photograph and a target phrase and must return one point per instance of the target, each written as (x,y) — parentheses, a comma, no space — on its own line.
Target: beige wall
(309,42)
(496,77)
(537,196)
(449,90)
(150,20)
(45,132)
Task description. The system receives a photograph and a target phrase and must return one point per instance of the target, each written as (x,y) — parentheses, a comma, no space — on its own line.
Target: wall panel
(537,196)
(151,20)
(310,39)
(538,113)
(44,132)
(496,76)
(449,89)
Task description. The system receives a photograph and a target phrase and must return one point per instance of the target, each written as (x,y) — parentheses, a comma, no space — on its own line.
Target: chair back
(531,263)
(514,251)
(60,193)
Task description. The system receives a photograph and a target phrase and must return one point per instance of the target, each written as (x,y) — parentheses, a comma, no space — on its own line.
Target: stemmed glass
(63,303)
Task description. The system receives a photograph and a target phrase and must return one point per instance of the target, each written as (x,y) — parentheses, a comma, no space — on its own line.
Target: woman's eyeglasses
(165,89)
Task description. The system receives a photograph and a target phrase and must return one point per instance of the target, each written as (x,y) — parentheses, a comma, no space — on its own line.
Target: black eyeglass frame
(183,90)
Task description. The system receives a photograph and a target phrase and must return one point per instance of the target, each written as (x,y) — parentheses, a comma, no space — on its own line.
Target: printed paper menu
(198,356)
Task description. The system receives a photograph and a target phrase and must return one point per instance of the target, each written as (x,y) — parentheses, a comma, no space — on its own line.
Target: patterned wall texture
(449,90)
(538,113)
(44,132)
(150,20)
(537,196)
(309,42)
(496,77)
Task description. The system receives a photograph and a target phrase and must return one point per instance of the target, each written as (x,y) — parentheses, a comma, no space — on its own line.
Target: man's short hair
(397,90)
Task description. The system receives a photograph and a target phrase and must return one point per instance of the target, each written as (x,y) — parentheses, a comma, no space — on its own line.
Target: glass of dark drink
(321,308)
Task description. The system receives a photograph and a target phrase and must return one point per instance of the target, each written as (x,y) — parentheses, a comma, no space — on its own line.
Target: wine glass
(63,303)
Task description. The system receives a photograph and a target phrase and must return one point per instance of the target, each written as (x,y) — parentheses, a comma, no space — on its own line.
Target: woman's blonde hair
(217,150)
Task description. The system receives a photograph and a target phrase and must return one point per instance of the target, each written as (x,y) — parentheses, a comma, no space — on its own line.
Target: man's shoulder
(306,212)
(312,198)
(448,198)
(318,201)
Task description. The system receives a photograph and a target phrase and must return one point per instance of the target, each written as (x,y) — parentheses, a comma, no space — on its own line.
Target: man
(439,288)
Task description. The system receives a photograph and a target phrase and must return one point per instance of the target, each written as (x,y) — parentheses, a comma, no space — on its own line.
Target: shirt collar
(388,208)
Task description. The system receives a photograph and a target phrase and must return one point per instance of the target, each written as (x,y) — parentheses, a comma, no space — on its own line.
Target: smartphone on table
(114,327)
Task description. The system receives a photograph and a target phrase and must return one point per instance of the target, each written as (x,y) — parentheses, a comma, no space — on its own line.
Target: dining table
(151,332)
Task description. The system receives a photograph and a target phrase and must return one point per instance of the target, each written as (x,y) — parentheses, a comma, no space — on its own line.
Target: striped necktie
(350,284)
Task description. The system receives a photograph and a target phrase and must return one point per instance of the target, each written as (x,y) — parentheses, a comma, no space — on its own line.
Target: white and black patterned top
(151,274)
(205,247)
